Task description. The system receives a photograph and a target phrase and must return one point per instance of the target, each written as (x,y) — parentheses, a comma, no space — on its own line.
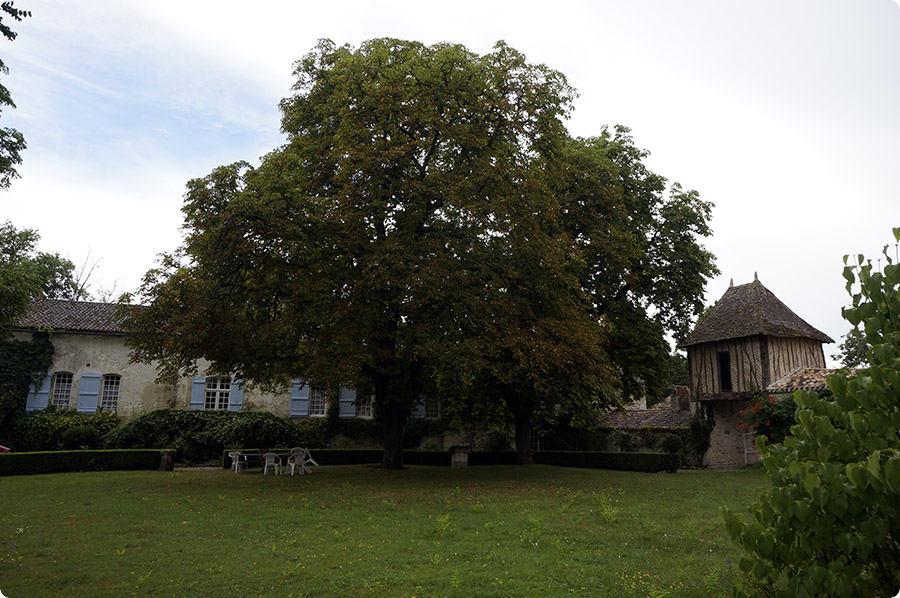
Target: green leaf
(858,476)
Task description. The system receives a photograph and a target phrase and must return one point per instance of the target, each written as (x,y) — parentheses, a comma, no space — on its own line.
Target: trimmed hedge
(647,462)
(68,461)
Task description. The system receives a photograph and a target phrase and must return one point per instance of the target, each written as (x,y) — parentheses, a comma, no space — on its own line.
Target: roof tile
(748,310)
(72,316)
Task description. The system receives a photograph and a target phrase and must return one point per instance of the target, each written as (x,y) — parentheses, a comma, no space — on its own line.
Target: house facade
(91,372)
(747,341)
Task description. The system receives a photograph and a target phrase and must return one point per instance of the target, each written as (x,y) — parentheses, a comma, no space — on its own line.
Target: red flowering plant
(769,417)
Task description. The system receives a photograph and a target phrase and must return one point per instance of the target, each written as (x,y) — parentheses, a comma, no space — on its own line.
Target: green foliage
(853,350)
(700,428)
(68,461)
(200,436)
(827,524)
(620,439)
(12,143)
(80,437)
(671,443)
(26,273)
(769,417)
(21,364)
(47,429)
(429,217)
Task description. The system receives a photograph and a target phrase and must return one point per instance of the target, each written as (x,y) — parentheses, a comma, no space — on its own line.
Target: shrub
(769,417)
(827,524)
(45,430)
(671,443)
(80,437)
(620,439)
(200,436)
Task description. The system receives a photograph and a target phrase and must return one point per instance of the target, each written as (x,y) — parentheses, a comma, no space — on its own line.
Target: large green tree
(12,142)
(26,273)
(634,263)
(428,217)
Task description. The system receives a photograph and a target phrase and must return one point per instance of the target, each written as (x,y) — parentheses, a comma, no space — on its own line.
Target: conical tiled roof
(748,310)
(71,316)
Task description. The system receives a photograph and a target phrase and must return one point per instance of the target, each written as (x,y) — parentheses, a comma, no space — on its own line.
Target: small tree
(827,525)
(852,350)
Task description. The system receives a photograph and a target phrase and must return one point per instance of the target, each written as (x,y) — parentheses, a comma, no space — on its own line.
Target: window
(318,401)
(62,390)
(432,408)
(364,407)
(109,392)
(725,372)
(536,440)
(218,392)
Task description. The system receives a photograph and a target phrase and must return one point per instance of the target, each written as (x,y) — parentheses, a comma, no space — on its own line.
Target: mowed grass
(360,531)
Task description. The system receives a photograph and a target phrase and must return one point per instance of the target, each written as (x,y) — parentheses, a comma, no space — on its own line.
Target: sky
(785,114)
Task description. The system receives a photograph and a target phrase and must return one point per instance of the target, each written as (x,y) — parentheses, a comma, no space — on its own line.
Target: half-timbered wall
(788,354)
(745,359)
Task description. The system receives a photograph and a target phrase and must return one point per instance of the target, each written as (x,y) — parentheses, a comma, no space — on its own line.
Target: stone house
(91,372)
(746,342)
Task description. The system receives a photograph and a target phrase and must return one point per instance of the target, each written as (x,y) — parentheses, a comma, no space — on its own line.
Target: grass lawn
(360,531)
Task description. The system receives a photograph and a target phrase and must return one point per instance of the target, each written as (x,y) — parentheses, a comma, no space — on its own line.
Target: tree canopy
(853,349)
(429,217)
(26,273)
(12,142)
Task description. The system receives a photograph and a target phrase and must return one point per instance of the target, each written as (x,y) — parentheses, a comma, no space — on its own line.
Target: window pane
(218,391)
(62,389)
(109,394)
(318,403)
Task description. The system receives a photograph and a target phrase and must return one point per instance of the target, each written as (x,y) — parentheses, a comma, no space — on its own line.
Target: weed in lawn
(690,532)
(531,535)
(442,524)
(605,506)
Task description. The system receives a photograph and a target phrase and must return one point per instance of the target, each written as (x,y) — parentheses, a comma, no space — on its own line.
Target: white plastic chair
(237,464)
(271,460)
(301,458)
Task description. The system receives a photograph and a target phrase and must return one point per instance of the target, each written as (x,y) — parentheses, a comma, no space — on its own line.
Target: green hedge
(66,461)
(648,462)
(51,429)
(200,436)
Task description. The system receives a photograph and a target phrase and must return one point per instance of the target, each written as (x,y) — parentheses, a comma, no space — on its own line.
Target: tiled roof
(748,310)
(646,418)
(72,316)
(803,379)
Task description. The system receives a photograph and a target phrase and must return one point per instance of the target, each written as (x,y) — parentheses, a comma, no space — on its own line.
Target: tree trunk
(393,417)
(523,433)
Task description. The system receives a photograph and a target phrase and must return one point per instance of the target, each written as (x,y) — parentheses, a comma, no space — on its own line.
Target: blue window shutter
(39,397)
(198,393)
(299,399)
(236,395)
(89,393)
(419,409)
(346,400)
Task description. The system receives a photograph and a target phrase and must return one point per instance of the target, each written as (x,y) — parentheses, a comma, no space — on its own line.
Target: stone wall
(727,442)
(139,392)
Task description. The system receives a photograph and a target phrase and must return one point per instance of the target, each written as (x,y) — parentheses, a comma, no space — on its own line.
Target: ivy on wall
(21,364)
